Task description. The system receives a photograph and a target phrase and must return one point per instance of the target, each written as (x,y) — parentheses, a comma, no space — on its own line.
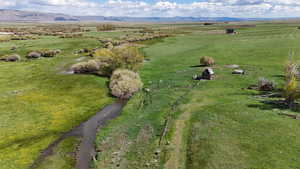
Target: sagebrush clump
(49,53)
(124,83)
(5,38)
(265,84)
(33,55)
(110,60)
(207,61)
(90,66)
(105,27)
(11,58)
(43,53)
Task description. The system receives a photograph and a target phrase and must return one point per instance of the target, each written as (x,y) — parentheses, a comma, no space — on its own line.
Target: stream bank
(86,132)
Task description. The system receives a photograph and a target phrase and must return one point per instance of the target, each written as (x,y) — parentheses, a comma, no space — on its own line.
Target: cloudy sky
(162,8)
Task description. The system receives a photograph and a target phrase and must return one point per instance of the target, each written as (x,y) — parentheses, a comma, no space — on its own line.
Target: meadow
(39,101)
(213,124)
(175,121)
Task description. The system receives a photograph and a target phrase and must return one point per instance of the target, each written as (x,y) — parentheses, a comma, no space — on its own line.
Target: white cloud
(230,8)
(6,3)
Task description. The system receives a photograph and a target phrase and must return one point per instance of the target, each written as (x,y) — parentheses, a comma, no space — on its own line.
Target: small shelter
(230,31)
(208,74)
(208,23)
(238,72)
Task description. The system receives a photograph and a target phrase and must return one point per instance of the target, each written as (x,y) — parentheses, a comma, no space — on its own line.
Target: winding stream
(86,131)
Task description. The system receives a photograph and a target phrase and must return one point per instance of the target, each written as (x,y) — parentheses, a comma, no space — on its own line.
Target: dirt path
(86,131)
(178,153)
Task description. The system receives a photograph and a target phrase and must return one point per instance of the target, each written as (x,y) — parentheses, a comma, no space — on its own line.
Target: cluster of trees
(120,64)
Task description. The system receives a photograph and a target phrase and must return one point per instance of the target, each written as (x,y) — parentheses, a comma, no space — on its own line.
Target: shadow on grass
(198,66)
(27,141)
(270,105)
(279,76)
(273,100)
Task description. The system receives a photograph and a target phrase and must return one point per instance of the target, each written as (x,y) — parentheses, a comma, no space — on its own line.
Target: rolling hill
(8,15)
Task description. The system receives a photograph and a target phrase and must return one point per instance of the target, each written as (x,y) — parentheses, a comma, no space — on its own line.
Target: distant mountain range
(7,15)
(25,16)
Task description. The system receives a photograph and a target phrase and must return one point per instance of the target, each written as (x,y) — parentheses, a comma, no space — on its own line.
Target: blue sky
(162,8)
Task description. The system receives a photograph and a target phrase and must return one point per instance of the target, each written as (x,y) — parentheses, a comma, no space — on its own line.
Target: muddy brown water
(86,131)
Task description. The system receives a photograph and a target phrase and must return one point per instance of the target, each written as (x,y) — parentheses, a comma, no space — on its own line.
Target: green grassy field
(214,124)
(38,103)
(227,127)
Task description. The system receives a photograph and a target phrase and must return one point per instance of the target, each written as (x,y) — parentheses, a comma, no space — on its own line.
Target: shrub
(106,60)
(108,45)
(120,57)
(23,37)
(11,58)
(291,91)
(129,57)
(90,66)
(34,55)
(5,38)
(57,51)
(207,61)
(108,63)
(105,27)
(124,83)
(48,53)
(265,84)
(291,69)
(102,53)
(70,35)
